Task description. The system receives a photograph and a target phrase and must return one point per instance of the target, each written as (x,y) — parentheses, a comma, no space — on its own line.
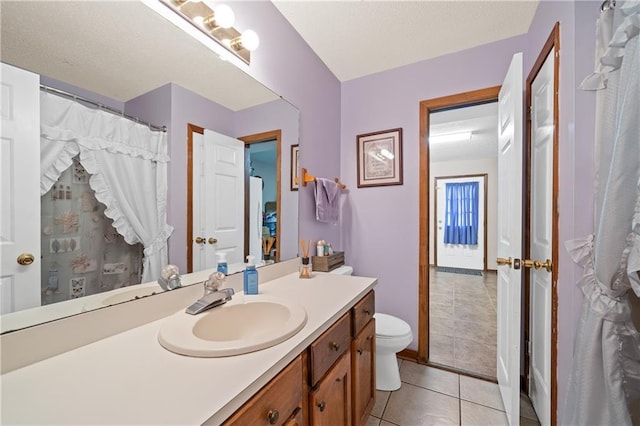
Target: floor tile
(383,423)
(526,408)
(528,422)
(430,378)
(478,331)
(441,326)
(412,405)
(441,349)
(381,401)
(481,392)
(479,415)
(372,421)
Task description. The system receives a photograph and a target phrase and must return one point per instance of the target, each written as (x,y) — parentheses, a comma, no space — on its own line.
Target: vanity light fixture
(215,21)
(451,137)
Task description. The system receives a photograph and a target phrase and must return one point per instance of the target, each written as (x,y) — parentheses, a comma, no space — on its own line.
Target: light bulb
(250,40)
(198,20)
(224,16)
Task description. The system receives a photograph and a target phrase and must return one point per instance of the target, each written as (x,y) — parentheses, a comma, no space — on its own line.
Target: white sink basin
(245,324)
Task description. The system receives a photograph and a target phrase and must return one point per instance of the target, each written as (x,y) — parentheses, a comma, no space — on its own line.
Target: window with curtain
(461,213)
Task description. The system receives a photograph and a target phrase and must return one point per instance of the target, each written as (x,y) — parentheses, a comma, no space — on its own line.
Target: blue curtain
(461,213)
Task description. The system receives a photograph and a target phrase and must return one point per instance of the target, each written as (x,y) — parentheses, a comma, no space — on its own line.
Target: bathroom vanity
(324,374)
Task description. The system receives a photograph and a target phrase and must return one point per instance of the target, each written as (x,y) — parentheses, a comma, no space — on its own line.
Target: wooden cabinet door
(330,403)
(363,362)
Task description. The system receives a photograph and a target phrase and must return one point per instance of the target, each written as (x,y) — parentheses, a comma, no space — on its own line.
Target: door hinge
(529,348)
(529,112)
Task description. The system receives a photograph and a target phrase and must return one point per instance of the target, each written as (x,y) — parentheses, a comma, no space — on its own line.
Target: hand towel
(327,200)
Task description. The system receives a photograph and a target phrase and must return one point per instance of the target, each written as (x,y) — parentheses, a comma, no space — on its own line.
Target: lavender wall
(284,116)
(286,64)
(380,224)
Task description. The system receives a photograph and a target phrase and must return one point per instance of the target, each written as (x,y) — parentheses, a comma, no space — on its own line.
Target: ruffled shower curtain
(128,164)
(605,376)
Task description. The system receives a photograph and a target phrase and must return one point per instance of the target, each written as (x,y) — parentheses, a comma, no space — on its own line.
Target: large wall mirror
(125,56)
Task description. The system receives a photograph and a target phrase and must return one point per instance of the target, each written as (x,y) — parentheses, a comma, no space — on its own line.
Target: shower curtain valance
(128,164)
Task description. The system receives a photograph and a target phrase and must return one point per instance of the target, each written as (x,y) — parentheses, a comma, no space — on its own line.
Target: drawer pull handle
(367,312)
(335,346)
(359,351)
(273,417)
(321,405)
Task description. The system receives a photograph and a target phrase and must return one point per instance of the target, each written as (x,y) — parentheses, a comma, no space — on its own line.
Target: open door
(509,247)
(19,190)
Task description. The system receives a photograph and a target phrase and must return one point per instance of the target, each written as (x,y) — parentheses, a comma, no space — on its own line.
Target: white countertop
(130,379)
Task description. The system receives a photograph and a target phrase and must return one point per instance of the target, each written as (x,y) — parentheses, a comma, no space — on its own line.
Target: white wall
(469,167)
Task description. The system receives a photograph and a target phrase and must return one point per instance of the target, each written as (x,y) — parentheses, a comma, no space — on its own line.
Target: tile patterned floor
(430,396)
(462,321)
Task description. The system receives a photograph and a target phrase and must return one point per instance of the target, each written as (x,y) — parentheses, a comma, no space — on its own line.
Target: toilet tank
(343,270)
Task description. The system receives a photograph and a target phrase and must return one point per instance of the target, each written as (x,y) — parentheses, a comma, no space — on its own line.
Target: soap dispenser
(250,276)
(222,263)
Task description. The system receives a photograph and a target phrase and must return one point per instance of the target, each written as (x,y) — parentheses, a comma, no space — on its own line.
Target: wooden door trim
(257,138)
(489,94)
(191,129)
(485,179)
(551,45)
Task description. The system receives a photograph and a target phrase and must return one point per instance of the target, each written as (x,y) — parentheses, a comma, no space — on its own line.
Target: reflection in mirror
(463,147)
(125,56)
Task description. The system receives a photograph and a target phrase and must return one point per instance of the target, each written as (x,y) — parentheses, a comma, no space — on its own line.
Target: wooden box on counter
(327,263)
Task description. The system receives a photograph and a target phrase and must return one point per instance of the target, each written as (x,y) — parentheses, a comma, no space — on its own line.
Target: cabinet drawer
(275,402)
(363,311)
(328,347)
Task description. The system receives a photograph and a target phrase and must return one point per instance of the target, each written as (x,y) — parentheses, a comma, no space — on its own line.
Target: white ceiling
(118,49)
(358,38)
(481,120)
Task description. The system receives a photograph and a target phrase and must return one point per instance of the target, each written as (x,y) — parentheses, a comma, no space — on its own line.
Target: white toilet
(392,336)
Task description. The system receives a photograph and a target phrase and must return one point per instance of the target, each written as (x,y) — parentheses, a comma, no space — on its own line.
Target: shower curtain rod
(102,106)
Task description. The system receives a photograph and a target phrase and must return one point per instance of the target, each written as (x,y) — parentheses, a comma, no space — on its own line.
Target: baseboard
(408,354)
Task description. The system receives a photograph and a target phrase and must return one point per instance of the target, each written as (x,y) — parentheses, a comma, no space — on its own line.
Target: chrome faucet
(213,296)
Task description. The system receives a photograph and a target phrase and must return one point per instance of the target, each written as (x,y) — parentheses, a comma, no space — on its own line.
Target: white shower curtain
(128,164)
(605,376)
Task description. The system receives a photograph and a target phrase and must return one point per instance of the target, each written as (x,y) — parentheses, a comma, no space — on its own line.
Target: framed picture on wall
(379,157)
(295,169)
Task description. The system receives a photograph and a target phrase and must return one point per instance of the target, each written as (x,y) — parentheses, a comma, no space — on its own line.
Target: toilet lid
(390,326)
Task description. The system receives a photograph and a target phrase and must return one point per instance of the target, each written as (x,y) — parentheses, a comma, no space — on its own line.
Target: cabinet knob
(335,346)
(359,351)
(321,405)
(367,312)
(273,416)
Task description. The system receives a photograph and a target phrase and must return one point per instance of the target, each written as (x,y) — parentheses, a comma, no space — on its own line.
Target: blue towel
(327,200)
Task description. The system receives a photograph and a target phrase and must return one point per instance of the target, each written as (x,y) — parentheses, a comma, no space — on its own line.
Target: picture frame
(295,169)
(379,157)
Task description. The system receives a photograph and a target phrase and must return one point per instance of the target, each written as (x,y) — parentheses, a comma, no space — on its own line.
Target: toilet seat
(390,327)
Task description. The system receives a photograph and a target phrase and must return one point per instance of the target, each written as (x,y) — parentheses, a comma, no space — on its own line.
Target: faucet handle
(215,281)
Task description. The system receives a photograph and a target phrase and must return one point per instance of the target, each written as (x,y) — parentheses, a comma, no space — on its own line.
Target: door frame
(551,45)
(191,129)
(271,135)
(474,97)
(485,179)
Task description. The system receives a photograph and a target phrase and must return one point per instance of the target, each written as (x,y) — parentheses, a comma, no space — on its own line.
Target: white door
(19,189)
(218,203)
(542,136)
(510,237)
(459,255)
(255,218)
